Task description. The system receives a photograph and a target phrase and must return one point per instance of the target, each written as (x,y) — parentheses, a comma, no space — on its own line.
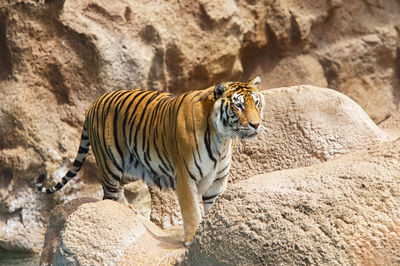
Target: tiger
(182,142)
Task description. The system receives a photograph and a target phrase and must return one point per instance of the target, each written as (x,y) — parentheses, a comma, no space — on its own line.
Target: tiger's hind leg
(113,189)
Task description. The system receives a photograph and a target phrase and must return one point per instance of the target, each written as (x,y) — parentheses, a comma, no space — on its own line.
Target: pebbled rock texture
(91,232)
(342,212)
(304,125)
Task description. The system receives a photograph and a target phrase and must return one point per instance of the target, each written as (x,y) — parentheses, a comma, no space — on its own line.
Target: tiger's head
(238,109)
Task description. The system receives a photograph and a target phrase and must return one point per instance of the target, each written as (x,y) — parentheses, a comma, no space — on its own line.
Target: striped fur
(184,143)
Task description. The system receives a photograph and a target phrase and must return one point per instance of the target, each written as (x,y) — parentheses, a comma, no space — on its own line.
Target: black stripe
(127,112)
(114,100)
(198,166)
(221,109)
(58,186)
(141,119)
(113,160)
(83,150)
(116,143)
(155,135)
(205,198)
(177,111)
(110,188)
(222,177)
(116,177)
(121,103)
(222,170)
(160,157)
(144,130)
(195,138)
(77,164)
(187,169)
(170,178)
(208,144)
(165,152)
(107,103)
(144,94)
(153,126)
(70,174)
(147,164)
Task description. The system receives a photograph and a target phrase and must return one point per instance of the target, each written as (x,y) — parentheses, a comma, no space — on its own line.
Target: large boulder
(341,212)
(91,232)
(304,125)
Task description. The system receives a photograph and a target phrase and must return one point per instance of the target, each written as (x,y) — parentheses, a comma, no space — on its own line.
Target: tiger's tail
(73,171)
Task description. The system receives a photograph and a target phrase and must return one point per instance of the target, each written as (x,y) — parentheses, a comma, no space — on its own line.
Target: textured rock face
(304,125)
(341,212)
(354,42)
(59,217)
(57,56)
(83,232)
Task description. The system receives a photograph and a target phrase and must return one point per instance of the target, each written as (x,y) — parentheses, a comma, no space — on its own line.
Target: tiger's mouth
(248,133)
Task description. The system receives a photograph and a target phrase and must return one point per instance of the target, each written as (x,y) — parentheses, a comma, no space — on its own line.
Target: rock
(57,221)
(91,232)
(391,126)
(297,70)
(165,210)
(341,212)
(355,43)
(354,65)
(304,125)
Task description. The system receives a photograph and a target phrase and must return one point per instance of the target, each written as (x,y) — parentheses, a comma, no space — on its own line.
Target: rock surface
(91,232)
(57,56)
(304,125)
(342,212)
(57,221)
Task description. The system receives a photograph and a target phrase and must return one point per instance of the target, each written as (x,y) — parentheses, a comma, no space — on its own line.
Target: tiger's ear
(255,81)
(219,89)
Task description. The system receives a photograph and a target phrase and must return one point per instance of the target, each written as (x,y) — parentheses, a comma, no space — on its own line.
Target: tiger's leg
(113,189)
(189,203)
(218,186)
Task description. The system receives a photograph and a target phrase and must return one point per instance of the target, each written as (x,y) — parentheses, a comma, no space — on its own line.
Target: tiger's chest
(212,170)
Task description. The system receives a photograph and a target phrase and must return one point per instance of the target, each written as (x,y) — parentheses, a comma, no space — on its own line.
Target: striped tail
(79,160)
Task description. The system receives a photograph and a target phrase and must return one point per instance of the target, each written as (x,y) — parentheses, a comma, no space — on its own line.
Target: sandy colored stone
(341,212)
(304,125)
(355,42)
(83,232)
(165,210)
(57,220)
(392,125)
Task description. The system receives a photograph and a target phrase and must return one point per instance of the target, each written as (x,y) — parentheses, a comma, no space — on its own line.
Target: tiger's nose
(254,125)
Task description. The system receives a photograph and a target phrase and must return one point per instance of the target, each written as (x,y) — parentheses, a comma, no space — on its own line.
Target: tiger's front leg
(189,203)
(216,188)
